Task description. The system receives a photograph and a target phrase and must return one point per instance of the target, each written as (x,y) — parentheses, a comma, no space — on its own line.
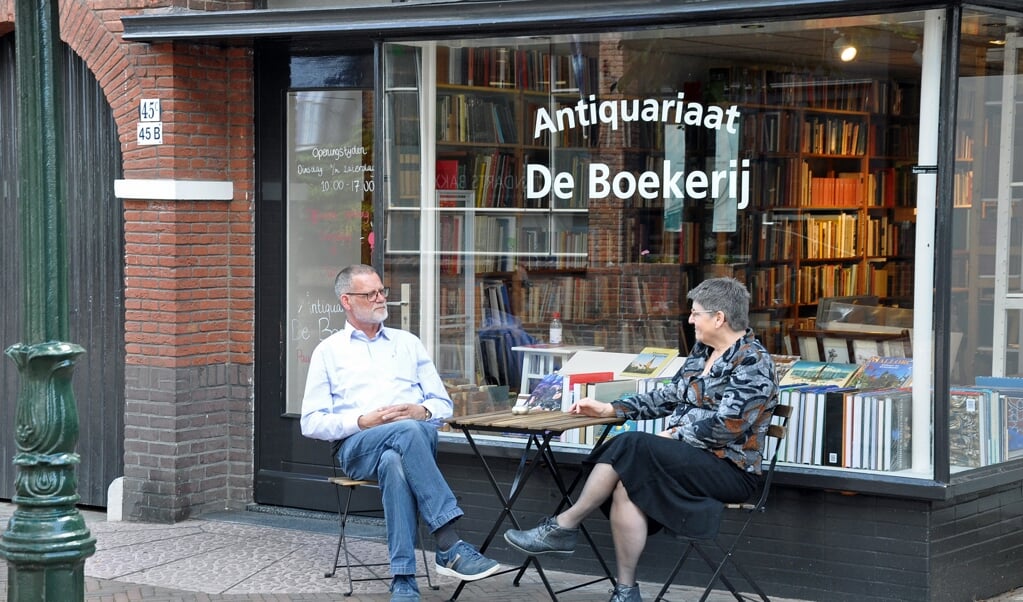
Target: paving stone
(232,557)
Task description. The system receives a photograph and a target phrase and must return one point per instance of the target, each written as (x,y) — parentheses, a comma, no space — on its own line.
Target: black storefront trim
(807,477)
(469,17)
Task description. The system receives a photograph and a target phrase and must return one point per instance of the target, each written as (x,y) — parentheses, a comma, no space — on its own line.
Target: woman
(719,404)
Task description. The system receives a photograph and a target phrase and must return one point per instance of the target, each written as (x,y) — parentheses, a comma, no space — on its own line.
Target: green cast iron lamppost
(46,541)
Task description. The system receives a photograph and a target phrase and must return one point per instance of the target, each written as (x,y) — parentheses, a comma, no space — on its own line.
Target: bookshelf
(832,193)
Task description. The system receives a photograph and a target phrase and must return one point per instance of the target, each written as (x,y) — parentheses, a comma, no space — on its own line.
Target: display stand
(542,359)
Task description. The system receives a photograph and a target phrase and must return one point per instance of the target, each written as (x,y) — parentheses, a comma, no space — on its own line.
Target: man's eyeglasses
(704,311)
(373,294)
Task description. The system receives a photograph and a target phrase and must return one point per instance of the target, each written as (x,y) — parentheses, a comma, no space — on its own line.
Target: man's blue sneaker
(465,562)
(404,589)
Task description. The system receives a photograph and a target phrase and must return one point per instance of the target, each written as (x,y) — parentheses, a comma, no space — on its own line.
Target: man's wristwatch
(429,414)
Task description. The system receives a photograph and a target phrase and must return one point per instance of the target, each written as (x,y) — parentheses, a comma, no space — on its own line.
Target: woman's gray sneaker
(545,538)
(625,594)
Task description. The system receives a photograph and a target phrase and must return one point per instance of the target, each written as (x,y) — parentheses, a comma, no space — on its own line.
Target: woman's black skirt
(677,486)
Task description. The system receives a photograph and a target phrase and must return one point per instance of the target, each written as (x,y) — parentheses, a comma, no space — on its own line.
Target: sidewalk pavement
(260,556)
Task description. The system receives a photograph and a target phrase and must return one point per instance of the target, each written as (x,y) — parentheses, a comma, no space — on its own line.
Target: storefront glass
(329,158)
(600,177)
(987,291)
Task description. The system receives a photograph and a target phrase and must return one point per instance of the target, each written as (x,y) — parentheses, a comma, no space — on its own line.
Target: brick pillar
(189,290)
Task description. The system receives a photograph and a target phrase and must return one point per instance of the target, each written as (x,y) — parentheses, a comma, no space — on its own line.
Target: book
(853,431)
(785,398)
(837,374)
(546,396)
(966,407)
(884,373)
(811,425)
(1010,392)
(801,372)
(447,174)
(802,422)
(782,364)
(575,386)
(819,373)
(650,361)
(588,377)
(832,449)
(609,391)
(899,403)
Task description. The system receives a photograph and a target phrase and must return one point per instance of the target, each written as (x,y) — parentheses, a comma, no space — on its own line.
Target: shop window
(600,177)
(987,291)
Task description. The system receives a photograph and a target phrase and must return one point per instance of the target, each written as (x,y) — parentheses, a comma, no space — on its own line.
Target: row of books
(773,87)
(490,248)
(849,415)
(891,279)
(844,415)
(809,237)
(887,237)
(831,280)
(780,132)
(850,428)
(491,176)
(510,68)
(872,429)
(581,136)
(844,191)
(790,182)
(829,135)
(860,416)
(474,118)
(829,237)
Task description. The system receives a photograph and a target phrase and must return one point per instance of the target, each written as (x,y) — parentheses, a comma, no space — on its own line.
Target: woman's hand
(591,407)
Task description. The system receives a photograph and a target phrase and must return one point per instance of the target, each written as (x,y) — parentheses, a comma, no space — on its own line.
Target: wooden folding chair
(344,512)
(725,553)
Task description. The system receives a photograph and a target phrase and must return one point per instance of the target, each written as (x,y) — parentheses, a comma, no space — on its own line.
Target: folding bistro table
(539,428)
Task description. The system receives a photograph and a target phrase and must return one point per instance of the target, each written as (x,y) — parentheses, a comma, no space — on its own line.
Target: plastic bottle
(555,332)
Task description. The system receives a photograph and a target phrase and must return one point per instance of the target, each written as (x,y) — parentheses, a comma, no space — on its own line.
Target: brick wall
(189,265)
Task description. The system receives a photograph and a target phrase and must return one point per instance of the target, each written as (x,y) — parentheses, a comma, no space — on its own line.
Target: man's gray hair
(343,281)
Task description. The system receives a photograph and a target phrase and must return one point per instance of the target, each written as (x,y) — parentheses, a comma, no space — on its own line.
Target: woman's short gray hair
(726,295)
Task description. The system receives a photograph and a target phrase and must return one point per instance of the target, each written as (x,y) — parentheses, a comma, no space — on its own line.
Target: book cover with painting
(964,429)
(649,362)
(546,396)
(884,373)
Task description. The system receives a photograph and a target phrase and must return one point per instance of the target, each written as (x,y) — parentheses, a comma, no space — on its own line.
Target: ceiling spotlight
(845,49)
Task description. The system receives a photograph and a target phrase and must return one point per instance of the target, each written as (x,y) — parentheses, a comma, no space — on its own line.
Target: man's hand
(393,413)
(591,407)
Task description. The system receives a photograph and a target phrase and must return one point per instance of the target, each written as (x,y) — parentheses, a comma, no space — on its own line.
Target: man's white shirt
(351,375)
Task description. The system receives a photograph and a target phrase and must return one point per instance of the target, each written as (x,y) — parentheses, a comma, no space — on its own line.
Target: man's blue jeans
(402,458)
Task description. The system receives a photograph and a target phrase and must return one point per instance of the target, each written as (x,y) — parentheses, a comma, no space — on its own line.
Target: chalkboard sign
(329,194)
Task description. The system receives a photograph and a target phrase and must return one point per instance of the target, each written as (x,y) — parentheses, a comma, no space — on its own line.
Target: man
(375,390)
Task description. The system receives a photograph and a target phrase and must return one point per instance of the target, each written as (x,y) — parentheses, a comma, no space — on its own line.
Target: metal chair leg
(344,510)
